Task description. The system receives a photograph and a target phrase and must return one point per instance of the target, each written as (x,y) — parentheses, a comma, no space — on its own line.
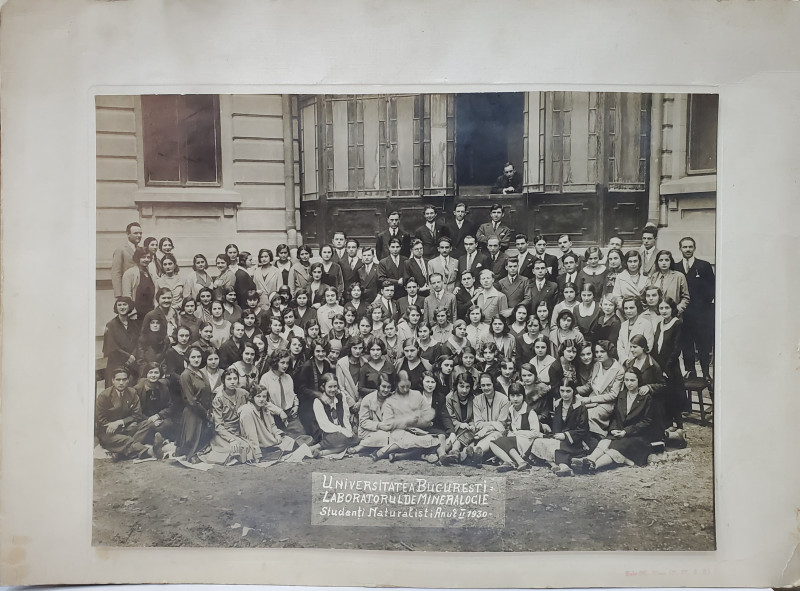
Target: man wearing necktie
(459,228)
(430,232)
(494,227)
(648,249)
(417,267)
(570,262)
(394,231)
(444,264)
(392,268)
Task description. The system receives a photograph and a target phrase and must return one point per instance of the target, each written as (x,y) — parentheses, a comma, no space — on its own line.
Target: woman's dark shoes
(588,466)
(577,465)
(505,468)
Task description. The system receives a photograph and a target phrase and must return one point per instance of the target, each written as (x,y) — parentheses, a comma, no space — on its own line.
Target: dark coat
(388,271)
(457,235)
(382,243)
(430,246)
(369,282)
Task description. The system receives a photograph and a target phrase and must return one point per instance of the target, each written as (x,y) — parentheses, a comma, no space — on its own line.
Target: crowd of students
(454,343)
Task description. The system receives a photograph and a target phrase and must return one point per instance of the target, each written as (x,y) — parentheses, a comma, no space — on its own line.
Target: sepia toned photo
(455,322)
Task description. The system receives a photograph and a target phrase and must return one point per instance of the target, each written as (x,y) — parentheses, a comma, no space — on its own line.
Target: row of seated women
(328,392)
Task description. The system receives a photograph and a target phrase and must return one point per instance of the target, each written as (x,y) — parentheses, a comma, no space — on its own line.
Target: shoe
(589,466)
(523,467)
(564,472)
(448,459)
(505,468)
(158,443)
(577,465)
(375,457)
(431,458)
(470,451)
(392,458)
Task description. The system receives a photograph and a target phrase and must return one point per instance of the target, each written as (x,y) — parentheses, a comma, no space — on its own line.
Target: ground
(667,505)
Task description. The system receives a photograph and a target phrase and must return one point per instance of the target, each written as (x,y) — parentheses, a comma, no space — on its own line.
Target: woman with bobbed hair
(316,287)
(606,327)
(477,329)
(565,330)
(615,260)
(376,363)
(408,324)
(665,351)
(568,431)
(299,277)
(266,277)
(197,426)
(672,283)
(500,336)
(137,283)
(651,379)
(633,324)
(332,272)
(412,363)
(120,338)
(309,387)
(227,445)
(150,244)
(283,264)
(171,279)
(523,430)
(631,281)
(348,370)
(593,272)
(198,278)
(329,310)
(606,382)
(631,430)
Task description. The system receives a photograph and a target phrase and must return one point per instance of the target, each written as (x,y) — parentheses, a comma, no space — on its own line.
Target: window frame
(183,182)
(688,161)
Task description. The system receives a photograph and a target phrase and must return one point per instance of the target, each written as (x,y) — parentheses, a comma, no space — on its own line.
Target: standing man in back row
(494,227)
(508,182)
(459,228)
(394,231)
(122,259)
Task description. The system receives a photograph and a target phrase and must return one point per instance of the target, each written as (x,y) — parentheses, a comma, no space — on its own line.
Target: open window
(489,130)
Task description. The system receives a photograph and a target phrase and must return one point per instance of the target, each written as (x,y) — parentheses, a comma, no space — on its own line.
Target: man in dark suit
(541,289)
(386,301)
(540,252)
(338,244)
(516,288)
(392,268)
(565,246)
(430,232)
(698,318)
(570,263)
(458,229)
(465,294)
(350,264)
(472,259)
(494,227)
(496,261)
(412,298)
(508,182)
(417,267)
(524,257)
(394,230)
(368,275)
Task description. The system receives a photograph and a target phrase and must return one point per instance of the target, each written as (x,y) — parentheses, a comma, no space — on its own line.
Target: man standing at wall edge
(122,259)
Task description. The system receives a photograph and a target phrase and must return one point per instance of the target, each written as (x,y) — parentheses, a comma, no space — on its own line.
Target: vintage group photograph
(441,322)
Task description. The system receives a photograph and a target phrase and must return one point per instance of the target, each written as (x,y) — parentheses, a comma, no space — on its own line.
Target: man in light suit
(698,318)
(494,227)
(439,298)
(459,228)
(541,289)
(368,275)
(394,231)
(515,287)
(122,259)
(489,299)
(648,249)
(445,265)
(392,268)
(430,232)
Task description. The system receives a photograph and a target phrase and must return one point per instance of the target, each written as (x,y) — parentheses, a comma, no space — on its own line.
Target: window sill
(186,195)
(705,183)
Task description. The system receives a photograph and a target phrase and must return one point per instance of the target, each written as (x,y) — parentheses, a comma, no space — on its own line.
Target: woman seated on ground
(197,398)
(410,418)
(309,386)
(412,363)
(258,428)
(537,395)
(228,447)
(519,324)
(606,383)
(459,404)
(569,430)
(120,426)
(373,429)
(491,416)
(630,433)
(523,429)
(161,406)
(333,418)
(120,339)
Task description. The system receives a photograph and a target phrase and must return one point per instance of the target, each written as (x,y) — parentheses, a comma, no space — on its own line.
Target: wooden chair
(699,385)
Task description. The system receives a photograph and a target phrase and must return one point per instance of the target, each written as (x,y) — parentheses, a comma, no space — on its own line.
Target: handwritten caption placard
(394,500)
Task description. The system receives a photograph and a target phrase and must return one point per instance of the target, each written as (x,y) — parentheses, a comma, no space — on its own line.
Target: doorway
(489,133)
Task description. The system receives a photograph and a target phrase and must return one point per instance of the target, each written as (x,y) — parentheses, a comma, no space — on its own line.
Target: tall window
(181,140)
(701,136)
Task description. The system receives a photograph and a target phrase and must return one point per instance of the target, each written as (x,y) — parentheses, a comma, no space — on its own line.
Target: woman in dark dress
(630,433)
(413,364)
(376,364)
(197,426)
(120,338)
(308,387)
(607,325)
(652,379)
(666,350)
(569,430)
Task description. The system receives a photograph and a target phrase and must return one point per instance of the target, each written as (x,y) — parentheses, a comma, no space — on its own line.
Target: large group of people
(452,343)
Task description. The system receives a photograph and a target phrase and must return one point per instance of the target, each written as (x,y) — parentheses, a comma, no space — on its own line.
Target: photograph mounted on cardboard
(445,322)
